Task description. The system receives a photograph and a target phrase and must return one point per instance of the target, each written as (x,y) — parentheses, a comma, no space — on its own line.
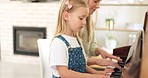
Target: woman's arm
(94,49)
(66,73)
(104,54)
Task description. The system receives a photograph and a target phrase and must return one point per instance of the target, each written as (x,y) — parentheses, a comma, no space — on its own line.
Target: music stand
(145,22)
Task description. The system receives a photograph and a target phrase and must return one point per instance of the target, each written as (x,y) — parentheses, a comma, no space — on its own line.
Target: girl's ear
(65,15)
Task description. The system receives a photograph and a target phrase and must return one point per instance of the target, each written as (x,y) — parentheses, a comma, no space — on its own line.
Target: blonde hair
(61,23)
(89,26)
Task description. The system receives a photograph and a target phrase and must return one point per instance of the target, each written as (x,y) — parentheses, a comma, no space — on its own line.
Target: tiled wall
(26,15)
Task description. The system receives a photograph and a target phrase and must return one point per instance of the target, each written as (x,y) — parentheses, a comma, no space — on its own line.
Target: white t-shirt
(59,52)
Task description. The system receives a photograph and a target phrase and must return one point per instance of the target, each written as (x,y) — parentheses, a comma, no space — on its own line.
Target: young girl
(67,56)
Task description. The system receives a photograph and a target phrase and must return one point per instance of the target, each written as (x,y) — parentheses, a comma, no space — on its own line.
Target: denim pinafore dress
(76,60)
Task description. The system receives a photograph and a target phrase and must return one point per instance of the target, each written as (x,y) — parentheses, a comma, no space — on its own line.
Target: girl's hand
(109,70)
(100,76)
(106,72)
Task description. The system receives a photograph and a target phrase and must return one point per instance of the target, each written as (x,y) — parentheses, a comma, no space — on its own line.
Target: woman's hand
(106,62)
(105,55)
(102,62)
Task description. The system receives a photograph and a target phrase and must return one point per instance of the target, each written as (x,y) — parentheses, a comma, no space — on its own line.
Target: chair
(44,48)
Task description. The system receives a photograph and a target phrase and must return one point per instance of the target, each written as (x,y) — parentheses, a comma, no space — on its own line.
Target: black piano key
(116,69)
(115,77)
(119,71)
(116,74)
(121,63)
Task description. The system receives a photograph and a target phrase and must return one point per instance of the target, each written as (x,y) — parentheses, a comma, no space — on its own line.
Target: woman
(89,42)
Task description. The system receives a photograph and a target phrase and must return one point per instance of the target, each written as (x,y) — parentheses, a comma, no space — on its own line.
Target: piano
(131,56)
(135,64)
(131,59)
(134,56)
(121,52)
(144,63)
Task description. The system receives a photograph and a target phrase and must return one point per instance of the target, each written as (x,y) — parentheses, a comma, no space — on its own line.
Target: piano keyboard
(117,72)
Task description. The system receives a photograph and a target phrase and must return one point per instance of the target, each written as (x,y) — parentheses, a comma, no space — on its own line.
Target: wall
(124,16)
(110,39)
(5,1)
(28,15)
(0,47)
(17,13)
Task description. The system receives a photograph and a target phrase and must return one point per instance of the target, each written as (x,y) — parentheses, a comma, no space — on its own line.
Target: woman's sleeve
(93,44)
(58,53)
